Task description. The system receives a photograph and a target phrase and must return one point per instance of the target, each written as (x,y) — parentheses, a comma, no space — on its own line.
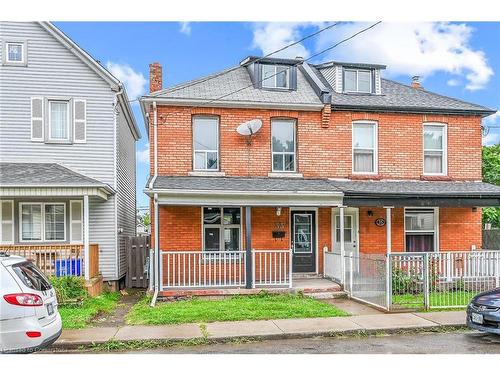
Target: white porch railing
(224,269)
(272,268)
(202,269)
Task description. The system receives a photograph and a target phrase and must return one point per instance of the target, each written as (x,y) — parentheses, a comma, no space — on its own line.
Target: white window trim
(375,146)
(357,80)
(23,52)
(275,77)
(71,221)
(206,151)
(436,226)
(42,225)
(221,227)
(42,119)
(50,101)
(75,121)
(444,149)
(7,221)
(294,171)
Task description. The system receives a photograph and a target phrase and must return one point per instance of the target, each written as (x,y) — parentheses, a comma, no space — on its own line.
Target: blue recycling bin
(68,267)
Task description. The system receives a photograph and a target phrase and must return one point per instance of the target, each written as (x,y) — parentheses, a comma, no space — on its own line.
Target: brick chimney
(155,77)
(415,83)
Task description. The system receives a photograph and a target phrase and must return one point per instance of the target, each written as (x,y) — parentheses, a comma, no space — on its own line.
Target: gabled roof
(92,63)
(217,90)
(45,175)
(234,86)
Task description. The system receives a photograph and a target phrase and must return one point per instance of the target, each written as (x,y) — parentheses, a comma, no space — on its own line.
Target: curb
(93,345)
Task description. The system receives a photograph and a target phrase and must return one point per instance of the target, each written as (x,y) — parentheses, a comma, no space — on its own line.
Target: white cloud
(406,48)
(413,49)
(491,139)
(143,155)
(269,37)
(185,28)
(135,83)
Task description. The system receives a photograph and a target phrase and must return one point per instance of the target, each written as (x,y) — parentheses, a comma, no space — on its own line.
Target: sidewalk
(263,329)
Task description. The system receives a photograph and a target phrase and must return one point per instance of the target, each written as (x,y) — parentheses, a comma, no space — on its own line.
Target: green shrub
(405,281)
(70,290)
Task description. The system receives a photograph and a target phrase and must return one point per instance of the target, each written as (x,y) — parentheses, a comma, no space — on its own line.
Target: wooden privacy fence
(137,251)
(491,239)
(58,260)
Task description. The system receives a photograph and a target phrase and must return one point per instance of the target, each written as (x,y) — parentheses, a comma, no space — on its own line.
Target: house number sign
(380,222)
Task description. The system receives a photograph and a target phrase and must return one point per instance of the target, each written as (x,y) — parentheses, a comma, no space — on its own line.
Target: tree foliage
(491,174)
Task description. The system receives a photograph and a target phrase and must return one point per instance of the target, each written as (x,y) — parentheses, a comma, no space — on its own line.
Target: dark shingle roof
(243,184)
(396,96)
(417,188)
(235,79)
(44,175)
(349,188)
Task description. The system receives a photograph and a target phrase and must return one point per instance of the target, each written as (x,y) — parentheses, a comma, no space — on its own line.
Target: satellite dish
(250,127)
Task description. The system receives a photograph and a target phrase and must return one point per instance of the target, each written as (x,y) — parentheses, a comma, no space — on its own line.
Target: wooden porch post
(388,226)
(86,242)
(248,247)
(342,244)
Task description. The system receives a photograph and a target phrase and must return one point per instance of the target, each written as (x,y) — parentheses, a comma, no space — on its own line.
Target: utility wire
(227,71)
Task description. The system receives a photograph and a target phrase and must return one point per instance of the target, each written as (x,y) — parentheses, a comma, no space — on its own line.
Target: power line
(287,69)
(227,71)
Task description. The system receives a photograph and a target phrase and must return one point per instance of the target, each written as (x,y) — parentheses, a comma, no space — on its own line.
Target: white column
(388,226)
(86,242)
(342,244)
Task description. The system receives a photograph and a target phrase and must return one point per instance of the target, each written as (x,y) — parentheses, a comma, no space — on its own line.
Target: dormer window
(275,76)
(358,80)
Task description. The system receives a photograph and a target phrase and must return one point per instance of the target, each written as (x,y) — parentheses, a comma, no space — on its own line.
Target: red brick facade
(323,151)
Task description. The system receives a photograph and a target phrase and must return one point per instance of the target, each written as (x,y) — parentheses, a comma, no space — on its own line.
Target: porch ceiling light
(370,213)
(278,211)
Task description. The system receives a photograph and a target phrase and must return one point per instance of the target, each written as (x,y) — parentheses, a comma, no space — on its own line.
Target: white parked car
(29,319)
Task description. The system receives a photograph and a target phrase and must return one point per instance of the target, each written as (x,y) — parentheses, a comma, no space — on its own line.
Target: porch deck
(310,285)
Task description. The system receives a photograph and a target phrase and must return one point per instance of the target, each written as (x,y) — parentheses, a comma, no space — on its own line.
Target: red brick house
(344,161)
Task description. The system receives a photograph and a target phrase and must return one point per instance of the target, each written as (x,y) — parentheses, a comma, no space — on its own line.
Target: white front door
(350,231)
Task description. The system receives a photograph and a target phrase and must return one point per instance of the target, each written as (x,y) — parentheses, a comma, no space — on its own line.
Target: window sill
(207,173)
(285,174)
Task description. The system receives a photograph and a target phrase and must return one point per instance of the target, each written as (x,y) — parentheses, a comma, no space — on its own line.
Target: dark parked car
(483,312)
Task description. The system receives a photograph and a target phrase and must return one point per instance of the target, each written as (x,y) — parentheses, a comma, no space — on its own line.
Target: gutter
(156,221)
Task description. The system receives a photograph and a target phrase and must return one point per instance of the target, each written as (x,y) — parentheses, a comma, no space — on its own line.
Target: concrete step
(326,295)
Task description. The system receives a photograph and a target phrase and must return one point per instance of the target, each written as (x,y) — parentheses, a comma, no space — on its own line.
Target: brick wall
(321,151)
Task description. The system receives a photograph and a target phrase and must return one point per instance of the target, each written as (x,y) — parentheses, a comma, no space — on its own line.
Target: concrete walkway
(264,329)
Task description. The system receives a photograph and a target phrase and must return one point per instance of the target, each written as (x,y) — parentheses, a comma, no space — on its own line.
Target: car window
(31,276)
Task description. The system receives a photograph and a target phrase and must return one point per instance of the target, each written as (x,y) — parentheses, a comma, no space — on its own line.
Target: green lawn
(255,307)
(80,316)
(436,299)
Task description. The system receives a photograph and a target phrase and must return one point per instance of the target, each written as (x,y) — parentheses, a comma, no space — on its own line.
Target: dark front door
(303,241)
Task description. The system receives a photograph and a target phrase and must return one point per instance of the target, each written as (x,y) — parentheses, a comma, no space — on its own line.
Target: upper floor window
(364,147)
(283,145)
(59,120)
(434,149)
(357,80)
(205,143)
(15,53)
(275,76)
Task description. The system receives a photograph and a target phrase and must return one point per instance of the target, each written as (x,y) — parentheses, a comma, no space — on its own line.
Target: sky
(457,59)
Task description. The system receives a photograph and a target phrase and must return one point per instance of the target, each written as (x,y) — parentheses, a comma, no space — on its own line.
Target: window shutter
(7,221)
(37,119)
(76,221)
(79,121)
(293,77)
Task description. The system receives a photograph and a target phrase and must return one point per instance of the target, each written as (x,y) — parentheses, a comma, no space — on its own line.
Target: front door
(350,231)
(304,241)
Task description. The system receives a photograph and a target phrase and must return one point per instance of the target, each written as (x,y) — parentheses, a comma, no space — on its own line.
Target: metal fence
(332,266)
(441,280)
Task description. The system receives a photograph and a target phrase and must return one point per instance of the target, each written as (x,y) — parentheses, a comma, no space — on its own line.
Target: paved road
(423,343)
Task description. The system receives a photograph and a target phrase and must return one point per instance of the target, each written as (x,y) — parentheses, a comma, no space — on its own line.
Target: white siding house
(60,108)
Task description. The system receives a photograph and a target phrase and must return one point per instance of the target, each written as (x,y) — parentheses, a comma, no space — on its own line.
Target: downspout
(151,186)
(115,178)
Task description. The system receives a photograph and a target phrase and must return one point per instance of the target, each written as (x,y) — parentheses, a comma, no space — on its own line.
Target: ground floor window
(420,229)
(221,228)
(42,221)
